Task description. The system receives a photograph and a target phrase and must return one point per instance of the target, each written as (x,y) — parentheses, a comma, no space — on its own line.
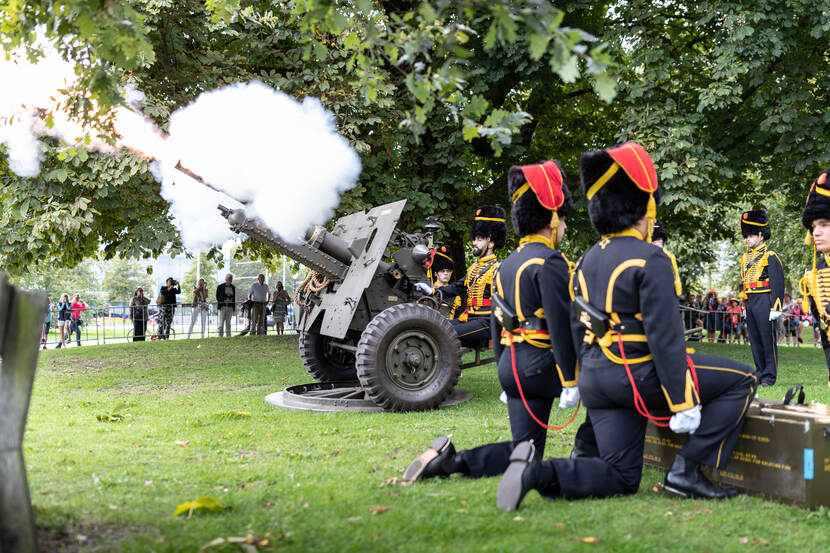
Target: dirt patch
(85,536)
(166,391)
(77,367)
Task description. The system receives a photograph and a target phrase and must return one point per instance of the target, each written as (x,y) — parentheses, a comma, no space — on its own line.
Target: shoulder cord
(639,402)
(524,400)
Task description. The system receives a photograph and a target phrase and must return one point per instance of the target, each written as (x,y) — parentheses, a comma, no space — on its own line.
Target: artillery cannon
(360,316)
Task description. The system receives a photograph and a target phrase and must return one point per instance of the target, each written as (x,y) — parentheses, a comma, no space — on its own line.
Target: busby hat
(658,232)
(549,196)
(755,221)
(818,201)
(621,186)
(440,260)
(490,221)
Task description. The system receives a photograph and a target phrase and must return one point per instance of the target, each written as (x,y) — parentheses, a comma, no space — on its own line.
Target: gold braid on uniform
(751,272)
(816,284)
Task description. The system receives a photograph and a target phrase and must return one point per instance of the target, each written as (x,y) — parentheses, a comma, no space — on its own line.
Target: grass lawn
(315,481)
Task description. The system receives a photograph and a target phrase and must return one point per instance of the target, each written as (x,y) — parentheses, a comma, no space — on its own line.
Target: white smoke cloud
(282,157)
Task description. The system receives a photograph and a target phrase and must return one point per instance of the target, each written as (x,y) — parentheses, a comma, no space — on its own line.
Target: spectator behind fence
(733,320)
(280,308)
(226,300)
(139,314)
(47,322)
(64,315)
(78,307)
(245,313)
(712,323)
(167,306)
(260,295)
(722,307)
(794,320)
(199,305)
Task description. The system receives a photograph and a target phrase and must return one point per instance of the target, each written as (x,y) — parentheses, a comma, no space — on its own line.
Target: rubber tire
(371,358)
(319,364)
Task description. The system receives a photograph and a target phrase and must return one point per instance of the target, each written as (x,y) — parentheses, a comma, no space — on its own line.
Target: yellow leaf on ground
(379,509)
(589,539)
(183,443)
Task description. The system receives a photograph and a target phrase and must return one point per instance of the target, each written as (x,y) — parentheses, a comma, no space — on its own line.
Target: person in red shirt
(75,322)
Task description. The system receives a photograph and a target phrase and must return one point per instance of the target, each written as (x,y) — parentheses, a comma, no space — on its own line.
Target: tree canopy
(441,98)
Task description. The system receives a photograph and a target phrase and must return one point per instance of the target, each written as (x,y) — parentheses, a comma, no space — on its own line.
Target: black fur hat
(616,199)
(818,201)
(755,221)
(441,260)
(490,221)
(658,232)
(527,212)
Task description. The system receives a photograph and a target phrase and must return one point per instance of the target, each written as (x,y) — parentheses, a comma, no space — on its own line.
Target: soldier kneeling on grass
(634,360)
(532,339)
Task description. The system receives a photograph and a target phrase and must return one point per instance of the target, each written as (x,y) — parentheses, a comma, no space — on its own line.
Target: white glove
(423,288)
(774,315)
(569,397)
(685,421)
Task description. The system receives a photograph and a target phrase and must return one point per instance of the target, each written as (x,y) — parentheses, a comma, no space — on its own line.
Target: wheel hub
(412,359)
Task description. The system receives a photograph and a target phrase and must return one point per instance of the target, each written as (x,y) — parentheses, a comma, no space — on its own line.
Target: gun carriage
(361,318)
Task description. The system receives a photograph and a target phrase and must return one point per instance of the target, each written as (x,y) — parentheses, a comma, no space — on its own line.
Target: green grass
(310,481)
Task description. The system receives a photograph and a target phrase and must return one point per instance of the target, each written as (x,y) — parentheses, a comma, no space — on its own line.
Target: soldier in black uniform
(659,236)
(489,231)
(439,270)
(815,285)
(627,318)
(763,290)
(542,348)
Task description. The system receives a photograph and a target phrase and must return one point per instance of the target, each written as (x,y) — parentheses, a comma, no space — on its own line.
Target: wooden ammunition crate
(783,452)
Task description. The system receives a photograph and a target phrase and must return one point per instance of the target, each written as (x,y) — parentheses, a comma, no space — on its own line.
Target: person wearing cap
(658,238)
(489,231)
(531,330)
(763,291)
(815,286)
(633,362)
(440,268)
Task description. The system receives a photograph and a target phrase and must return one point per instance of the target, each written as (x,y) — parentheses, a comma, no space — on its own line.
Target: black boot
(431,462)
(522,475)
(584,449)
(684,479)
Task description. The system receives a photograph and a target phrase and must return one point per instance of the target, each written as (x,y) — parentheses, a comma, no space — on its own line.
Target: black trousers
(139,330)
(473,333)
(540,384)
(762,337)
(726,390)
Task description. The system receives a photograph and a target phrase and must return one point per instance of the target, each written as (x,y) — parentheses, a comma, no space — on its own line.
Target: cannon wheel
(408,358)
(323,362)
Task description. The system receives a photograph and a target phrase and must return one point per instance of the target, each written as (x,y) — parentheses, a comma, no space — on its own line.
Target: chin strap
(524,401)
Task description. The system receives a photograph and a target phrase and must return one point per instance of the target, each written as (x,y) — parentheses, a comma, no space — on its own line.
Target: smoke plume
(282,158)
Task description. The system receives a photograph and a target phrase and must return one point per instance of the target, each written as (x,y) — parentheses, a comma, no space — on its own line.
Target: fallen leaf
(184,443)
(589,539)
(518,518)
(743,541)
(379,509)
(199,346)
(352,520)
(391,481)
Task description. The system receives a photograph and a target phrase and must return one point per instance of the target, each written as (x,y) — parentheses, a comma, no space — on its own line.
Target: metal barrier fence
(113,324)
(730,326)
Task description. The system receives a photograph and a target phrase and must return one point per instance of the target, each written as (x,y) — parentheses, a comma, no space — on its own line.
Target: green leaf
(569,70)
(606,87)
(470,131)
(538,45)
